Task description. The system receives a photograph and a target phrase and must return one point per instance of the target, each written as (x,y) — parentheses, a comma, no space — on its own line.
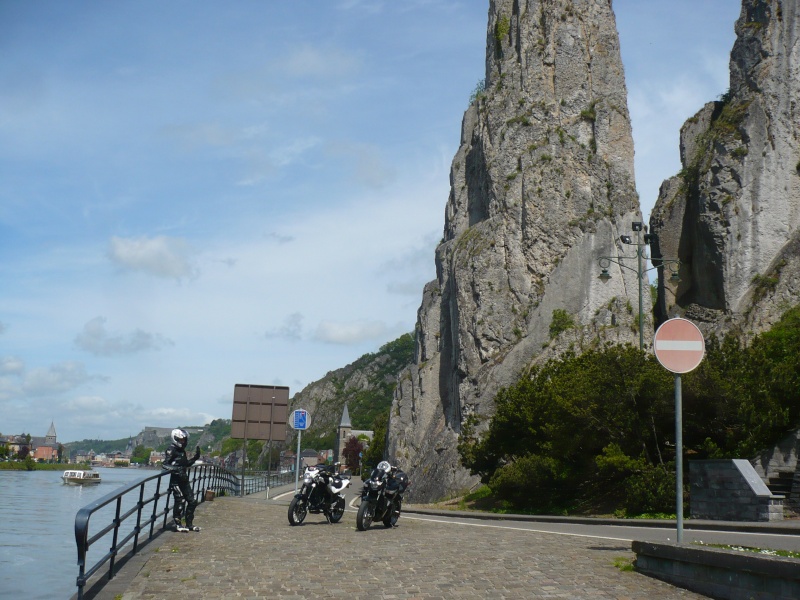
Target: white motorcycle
(322,492)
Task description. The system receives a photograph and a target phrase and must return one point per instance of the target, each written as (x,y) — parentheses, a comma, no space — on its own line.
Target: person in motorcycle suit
(397,480)
(177,464)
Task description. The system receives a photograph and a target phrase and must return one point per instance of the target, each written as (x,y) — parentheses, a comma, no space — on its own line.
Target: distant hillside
(366,385)
(158,438)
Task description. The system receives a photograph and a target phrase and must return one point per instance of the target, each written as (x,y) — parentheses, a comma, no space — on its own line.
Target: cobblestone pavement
(247,549)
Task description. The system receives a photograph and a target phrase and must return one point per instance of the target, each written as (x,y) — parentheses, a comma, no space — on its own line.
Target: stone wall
(780,460)
(731,490)
(722,574)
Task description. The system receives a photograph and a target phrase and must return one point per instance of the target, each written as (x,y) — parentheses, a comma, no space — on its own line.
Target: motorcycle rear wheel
(337,510)
(366,512)
(297,511)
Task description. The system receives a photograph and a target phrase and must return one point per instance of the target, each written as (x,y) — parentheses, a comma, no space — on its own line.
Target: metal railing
(131,512)
(256,481)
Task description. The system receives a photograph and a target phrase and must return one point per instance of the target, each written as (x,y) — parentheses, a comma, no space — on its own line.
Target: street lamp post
(640,243)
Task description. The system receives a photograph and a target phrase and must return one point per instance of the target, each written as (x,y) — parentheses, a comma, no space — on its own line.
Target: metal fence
(133,515)
(256,481)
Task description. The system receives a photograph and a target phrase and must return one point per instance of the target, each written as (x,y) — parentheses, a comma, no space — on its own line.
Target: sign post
(259,413)
(298,420)
(679,347)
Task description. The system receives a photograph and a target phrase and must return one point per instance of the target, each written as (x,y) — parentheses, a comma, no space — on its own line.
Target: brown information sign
(259,410)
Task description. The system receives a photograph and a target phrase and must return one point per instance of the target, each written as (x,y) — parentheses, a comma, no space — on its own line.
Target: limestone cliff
(731,216)
(542,185)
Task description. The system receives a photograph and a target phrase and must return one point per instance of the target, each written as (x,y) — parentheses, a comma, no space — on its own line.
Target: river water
(38,555)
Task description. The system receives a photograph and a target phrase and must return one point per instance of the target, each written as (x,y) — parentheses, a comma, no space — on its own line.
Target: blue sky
(198,194)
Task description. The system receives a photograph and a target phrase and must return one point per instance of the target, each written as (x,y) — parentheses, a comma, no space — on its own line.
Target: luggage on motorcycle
(402,480)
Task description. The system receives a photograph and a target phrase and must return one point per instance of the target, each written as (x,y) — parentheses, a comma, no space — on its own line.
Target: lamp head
(625,239)
(604,275)
(636,225)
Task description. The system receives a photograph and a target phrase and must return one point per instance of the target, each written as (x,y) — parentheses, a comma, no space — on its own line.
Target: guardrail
(129,513)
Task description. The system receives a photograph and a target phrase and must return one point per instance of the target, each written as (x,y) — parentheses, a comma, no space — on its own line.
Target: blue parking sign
(299,419)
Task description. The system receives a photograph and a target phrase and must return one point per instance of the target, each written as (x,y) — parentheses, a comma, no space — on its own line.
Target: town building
(344,432)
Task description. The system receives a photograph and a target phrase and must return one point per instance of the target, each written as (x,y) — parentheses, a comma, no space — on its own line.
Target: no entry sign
(679,345)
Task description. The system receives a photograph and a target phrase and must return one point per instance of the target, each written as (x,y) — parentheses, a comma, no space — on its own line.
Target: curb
(782,528)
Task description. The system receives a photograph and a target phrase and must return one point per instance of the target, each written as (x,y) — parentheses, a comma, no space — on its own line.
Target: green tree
(541,447)
(352,448)
(560,322)
(377,446)
(598,429)
(141,455)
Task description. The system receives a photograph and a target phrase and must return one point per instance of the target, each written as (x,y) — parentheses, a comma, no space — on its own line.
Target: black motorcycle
(322,492)
(382,496)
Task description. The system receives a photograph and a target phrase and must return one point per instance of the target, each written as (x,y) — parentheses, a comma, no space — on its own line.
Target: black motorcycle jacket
(177,462)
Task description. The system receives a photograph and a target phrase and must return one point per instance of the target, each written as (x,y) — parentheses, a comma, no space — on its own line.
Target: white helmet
(384,465)
(180,437)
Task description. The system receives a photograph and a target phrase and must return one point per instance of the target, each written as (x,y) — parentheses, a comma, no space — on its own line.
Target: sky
(196,194)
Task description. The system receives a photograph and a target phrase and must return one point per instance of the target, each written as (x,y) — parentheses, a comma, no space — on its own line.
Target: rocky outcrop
(366,385)
(731,216)
(542,186)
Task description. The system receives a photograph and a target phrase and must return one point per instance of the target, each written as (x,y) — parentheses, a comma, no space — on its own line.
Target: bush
(560,322)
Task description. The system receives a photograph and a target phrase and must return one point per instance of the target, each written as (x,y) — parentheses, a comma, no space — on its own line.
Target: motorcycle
(382,496)
(322,492)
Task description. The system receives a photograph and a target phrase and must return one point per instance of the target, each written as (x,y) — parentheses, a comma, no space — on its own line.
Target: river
(38,555)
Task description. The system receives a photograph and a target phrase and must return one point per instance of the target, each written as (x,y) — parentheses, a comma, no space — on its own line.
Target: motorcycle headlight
(307,479)
(374,485)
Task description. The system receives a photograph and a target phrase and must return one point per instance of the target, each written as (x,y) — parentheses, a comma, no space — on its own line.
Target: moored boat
(80,477)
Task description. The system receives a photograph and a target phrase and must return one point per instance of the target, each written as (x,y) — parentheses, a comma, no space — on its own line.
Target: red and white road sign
(679,345)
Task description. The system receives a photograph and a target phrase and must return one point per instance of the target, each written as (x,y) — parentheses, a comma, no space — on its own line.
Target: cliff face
(542,186)
(366,386)
(731,216)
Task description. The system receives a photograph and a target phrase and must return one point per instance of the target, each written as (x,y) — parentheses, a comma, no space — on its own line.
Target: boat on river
(80,477)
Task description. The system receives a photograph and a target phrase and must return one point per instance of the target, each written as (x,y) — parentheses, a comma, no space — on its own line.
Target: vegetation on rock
(595,432)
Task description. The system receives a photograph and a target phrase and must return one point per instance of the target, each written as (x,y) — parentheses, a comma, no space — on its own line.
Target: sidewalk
(247,549)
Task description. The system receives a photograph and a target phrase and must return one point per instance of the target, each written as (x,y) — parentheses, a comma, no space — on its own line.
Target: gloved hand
(197,452)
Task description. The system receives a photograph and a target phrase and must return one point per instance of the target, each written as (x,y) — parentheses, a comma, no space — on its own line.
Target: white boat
(80,477)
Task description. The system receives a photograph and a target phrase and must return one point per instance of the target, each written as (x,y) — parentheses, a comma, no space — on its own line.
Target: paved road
(247,549)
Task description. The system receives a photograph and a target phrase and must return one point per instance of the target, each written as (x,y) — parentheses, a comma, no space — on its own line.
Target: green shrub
(561,322)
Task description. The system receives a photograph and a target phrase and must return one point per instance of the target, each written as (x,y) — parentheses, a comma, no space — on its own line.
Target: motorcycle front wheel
(337,510)
(297,511)
(366,512)
(391,516)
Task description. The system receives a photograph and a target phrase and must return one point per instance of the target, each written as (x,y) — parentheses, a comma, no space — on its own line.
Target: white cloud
(350,333)
(88,404)
(365,162)
(118,420)
(159,256)
(11,365)
(96,339)
(56,379)
(320,63)
(292,328)
(261,165)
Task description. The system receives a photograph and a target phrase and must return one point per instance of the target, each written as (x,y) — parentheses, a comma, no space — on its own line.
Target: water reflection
(38,557)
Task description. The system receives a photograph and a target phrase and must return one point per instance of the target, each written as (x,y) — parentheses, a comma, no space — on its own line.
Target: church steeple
(50,438)
(345,418)
(343,434)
